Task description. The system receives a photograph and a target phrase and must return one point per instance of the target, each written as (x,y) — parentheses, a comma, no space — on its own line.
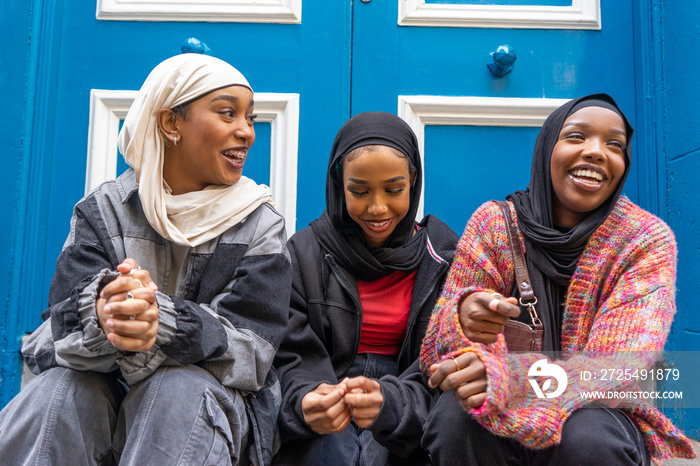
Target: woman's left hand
(465,375)
(364,397)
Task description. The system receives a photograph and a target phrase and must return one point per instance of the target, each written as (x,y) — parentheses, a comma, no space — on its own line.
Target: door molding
(582,14)
(239,11)
(109,107)
(421,110)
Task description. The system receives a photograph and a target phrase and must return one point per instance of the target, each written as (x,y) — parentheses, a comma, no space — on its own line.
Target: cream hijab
(193,218)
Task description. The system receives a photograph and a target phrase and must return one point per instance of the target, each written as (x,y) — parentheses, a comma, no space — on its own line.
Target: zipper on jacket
(414,317)
(355,299)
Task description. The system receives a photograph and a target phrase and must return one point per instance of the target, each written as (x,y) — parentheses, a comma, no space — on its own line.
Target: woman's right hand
(325,410)
(127,310)
(483,315)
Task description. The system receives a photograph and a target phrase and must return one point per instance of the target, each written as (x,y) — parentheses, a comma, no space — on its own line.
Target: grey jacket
(229,313)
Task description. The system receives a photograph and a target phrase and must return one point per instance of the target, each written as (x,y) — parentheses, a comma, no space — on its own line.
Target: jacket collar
(126,185)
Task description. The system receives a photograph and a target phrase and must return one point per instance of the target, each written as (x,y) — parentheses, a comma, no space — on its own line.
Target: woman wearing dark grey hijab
(366,277)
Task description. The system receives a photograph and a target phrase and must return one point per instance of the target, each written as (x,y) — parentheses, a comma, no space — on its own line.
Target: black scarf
(552,254)
(338,234)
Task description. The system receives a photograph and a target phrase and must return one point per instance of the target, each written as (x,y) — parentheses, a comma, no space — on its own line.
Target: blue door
(313,64)
(477,128)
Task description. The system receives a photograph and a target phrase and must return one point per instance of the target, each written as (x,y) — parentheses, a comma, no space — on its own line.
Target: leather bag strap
(522,277)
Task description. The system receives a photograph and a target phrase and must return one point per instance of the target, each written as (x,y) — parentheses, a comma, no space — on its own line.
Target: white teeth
(378,224)
(236,155)
(588,174)
(588,182)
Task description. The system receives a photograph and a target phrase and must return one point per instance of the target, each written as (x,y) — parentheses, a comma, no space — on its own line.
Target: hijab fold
(552,254)
(338,234)
(193,218)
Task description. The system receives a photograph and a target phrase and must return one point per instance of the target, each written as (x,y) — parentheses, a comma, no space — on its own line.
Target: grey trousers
(177,416)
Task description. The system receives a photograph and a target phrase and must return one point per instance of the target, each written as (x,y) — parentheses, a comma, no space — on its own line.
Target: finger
(362,412)
(144,277)
(467,390)
(120,293)
(120,284)
(133,328)
(505,306)
(445,368)
(127,265)
(363,400)
(127,307)
(493,327)
(145,294)
(150,315)
(471,368)
(475,401)
(338,410)
(342,419)
(327,419)
(362,383)
(325,402)
(324,389)
(368,412)
(365,420)
(339,427)
(130,343)
(131,268)
(481,337)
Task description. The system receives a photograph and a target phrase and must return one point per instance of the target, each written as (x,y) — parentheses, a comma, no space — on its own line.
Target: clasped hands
(483,317)
(330,408)
(127,310)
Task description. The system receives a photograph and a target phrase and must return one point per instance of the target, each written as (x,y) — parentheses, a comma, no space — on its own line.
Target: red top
(385,306)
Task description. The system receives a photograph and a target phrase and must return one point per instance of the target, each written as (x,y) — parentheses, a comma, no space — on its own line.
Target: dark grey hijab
(338,234)
(552,254)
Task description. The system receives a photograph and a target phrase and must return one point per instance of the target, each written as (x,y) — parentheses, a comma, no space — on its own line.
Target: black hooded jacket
(324,333)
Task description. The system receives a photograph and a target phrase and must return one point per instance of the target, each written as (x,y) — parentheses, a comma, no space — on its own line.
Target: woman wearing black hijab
(366,277)
(603,271)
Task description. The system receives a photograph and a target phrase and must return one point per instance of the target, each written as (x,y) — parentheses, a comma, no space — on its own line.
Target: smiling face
(214,135)
(587,164)
(377,187)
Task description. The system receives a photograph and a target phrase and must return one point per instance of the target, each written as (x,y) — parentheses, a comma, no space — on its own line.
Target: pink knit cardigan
(618,312)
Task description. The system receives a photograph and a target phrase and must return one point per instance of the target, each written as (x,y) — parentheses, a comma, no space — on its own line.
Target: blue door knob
(503,59)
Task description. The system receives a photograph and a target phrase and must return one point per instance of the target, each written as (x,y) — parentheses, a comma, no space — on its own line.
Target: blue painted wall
(15,80)
(677,26)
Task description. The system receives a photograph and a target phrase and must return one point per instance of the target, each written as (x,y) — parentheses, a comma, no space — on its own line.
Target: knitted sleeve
(482,263)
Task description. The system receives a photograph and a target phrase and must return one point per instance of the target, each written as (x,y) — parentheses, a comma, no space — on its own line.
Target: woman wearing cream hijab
(170,295)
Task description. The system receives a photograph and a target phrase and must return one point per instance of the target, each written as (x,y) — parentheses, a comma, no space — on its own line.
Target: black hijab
(338,234)
(552,254)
